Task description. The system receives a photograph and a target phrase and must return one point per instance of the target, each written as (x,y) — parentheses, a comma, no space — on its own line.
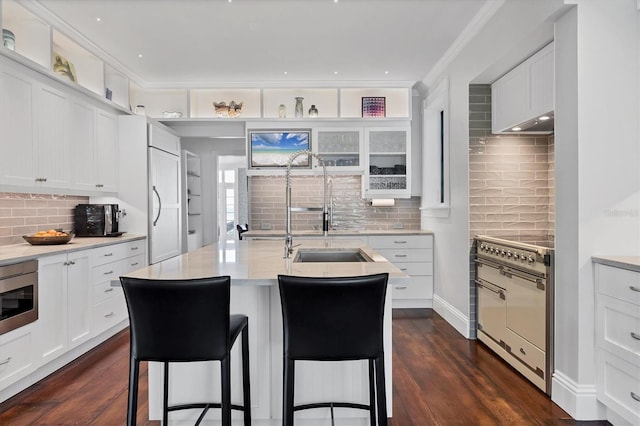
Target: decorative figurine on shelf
(282,111)
(313,111)
(63,67)
(299,107)
(228,111)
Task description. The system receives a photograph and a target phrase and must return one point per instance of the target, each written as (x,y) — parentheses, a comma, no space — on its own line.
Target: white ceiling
(186,42)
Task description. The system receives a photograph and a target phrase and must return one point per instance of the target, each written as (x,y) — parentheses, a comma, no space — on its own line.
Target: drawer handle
(635,396)
(108,290)
(634,288)
(135,248)
(401,287)
(6,361)
(635,335)
(110,314)
(134,264)
(400,242)
(403,269)
(522,351)
(108,254)
(400,255)
(108,272)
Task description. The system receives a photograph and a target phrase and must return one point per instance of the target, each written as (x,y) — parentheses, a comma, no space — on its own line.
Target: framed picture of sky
(274,148)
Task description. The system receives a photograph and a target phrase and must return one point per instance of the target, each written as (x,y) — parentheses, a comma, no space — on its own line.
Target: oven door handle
(481,262)
(500,292)
(539,282)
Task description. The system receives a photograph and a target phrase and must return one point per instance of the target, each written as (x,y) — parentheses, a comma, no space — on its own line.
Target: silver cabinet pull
(135,248)
(6,361)
(635,288)
(110,314)
(403,269)
(108,254)
(522,351)
(108,272)
(99,185)
(400,255)
(401,287)
(108,290)
(635,335)
(635,396)
(134,264)
(399,242)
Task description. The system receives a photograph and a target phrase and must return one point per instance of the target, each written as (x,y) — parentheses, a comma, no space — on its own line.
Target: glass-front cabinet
(387,167)
(340,148)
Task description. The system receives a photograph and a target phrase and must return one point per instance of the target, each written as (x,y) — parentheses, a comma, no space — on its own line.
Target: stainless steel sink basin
(331,255)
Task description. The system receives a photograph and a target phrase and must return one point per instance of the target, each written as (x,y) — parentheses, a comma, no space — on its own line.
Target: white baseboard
(578,400)
(411,303)
(453,316)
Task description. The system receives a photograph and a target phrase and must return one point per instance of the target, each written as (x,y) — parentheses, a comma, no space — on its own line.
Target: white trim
(471,30)
(411,303)
(426,212)
(578,400)
(453,316)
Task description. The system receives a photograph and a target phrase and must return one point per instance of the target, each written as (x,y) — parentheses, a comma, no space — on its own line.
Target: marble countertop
(259,262)
(626,262)
(25,251)
(260,233)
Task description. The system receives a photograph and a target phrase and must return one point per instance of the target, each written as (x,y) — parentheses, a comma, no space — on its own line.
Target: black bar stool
(182,321)
(334,319)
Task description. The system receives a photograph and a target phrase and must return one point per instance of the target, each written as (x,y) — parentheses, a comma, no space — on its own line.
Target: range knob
(523,257)
(531,259)
(482,247)
(491,249)
(509,254)
(503,253)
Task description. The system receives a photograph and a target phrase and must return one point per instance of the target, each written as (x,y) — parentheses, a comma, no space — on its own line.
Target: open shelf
(201,102)
(32,35)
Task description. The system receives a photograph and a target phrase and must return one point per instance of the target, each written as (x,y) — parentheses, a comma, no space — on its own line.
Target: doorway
(232,195)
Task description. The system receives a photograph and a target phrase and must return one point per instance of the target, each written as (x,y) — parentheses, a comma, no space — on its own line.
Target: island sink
(331,255)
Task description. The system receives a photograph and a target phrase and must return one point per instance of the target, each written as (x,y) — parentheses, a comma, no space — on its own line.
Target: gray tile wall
(22,214)
(350,211)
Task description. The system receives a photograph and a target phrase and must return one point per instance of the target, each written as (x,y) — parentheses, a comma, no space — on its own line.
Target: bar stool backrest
(178,320)
(329,319)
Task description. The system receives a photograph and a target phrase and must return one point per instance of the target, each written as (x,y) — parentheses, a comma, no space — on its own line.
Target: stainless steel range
(514,282)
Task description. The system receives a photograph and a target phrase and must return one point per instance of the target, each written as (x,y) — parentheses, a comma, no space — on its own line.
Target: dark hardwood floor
(440,378)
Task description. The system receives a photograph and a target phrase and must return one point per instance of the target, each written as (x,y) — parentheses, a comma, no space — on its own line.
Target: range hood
(542,125)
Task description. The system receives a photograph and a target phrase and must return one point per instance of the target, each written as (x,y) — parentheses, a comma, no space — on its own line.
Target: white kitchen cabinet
(107,151)
(387,167)
(340,148)
(64,319)
(618,342)
(524,93)
(412,254)
(52,136)
(16,354)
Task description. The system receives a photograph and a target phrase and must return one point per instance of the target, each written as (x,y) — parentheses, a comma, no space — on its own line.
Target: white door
(83,147)
(52,153)
(52,307)
(107,151)
(165,227)
(79,298)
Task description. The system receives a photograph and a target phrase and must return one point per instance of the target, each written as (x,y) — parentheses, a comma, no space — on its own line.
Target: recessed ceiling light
(335,73)
(544,118)
(139,55)
(285,73)
(386,72)
(98,19)
(335,1)
(516,129)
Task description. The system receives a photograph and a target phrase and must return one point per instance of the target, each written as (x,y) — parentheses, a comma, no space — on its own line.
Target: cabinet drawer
(415,268)
(618,386)
(619,283)
(107,254)
(618,328)
(109,313)
(16,352)
(107,272)
(134,248)
(418,288)
(407,255)
(526,352)
(400,241)
(133,263)
(103,291)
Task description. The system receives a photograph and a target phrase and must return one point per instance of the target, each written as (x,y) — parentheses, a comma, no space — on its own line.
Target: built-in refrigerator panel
(165,220)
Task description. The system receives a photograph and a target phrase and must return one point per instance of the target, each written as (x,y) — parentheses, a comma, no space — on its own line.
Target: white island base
(254,292)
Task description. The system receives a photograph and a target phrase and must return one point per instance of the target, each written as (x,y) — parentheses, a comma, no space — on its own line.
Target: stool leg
(287,397)
(132,404)
(165,396)
(372,394)
(246,389)
(381,391)
(225,370)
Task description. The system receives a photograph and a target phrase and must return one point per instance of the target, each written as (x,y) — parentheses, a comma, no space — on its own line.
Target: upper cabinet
(525,93)
(387,163)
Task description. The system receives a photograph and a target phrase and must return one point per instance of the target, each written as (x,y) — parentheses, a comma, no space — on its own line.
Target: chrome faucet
(288,238)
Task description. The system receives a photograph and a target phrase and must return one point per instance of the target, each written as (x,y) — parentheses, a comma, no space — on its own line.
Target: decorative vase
(8,39)
(299,107)
(313,111)
(282,111)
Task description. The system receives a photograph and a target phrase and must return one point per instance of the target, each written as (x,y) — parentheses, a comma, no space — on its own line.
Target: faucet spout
(288,239)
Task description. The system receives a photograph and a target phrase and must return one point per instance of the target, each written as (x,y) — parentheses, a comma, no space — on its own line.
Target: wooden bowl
(41,241)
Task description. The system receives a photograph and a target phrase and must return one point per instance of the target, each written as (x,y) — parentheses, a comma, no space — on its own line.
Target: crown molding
(471,30)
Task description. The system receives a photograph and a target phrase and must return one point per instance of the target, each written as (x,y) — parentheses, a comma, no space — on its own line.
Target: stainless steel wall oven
(18,295)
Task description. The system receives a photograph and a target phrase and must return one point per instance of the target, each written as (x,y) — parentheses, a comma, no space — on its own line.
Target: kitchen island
(254,267)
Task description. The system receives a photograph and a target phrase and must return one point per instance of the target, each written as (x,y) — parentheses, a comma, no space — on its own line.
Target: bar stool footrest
(330,405)
(206,405)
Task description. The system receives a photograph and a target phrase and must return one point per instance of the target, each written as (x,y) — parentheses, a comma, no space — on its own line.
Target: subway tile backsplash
(22,214)
(350,211)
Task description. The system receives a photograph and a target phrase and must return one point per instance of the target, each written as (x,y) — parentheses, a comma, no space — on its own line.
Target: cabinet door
(17,141)
(387,169)
(83,149)
(52,307)
(340,148)
(541,82)
(107,151)
(52,153)
(79,290)
(509,99)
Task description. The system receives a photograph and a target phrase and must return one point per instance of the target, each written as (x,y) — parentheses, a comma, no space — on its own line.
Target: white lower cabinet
(412,254)
(618,343)
(16,354)
(63,304)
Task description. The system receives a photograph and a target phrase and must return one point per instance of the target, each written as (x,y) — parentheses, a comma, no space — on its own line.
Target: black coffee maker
(96,220)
